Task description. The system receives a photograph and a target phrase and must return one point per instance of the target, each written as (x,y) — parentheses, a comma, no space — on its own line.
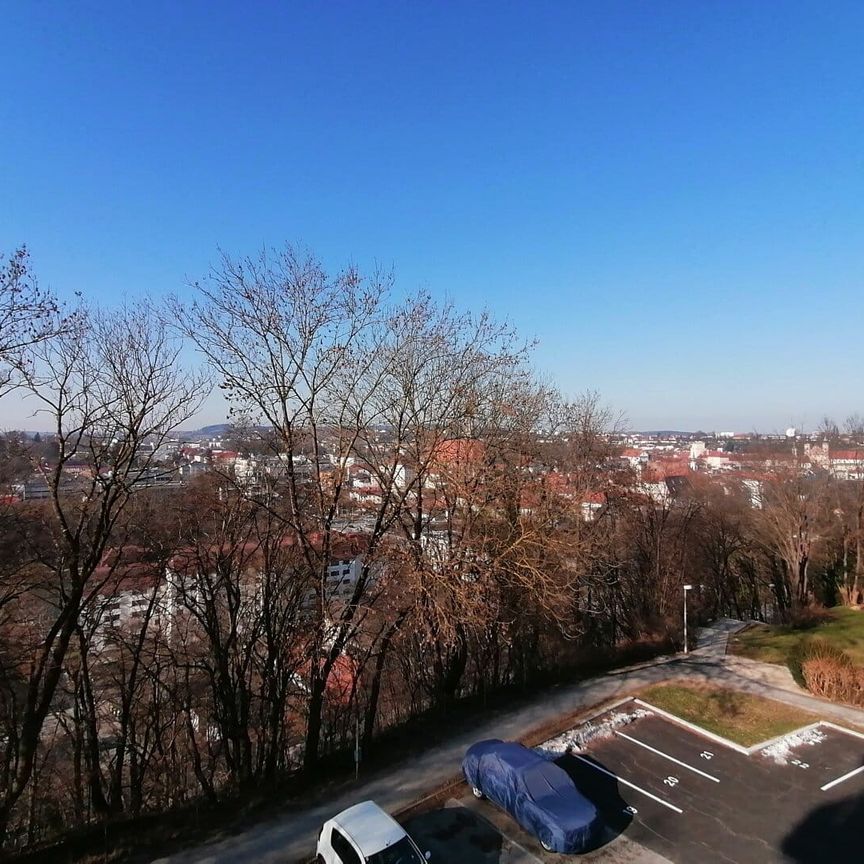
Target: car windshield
(402,852)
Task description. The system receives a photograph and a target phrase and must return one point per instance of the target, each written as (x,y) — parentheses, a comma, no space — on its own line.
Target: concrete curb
(739,748)
(777,738)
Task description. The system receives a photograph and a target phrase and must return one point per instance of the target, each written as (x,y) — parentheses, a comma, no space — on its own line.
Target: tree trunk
(36,708)
(375,685)
(203,780)
(803,588)
(313,726)
(95,779)
(859,564)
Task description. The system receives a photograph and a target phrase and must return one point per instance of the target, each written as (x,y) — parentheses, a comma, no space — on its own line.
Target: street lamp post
(686,589)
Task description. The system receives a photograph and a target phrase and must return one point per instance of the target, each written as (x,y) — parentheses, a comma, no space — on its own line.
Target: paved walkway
(292,837)
(713,640)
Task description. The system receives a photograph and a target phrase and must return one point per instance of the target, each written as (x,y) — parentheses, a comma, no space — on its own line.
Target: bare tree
(111,387)
(242,585)
(790,523)
(851,512)
(28,314)
(292,347)
(828,430)
(854,427)
(344,383)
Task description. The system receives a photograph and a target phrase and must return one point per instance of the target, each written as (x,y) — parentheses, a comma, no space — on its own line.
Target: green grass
(774,644)
(740,717)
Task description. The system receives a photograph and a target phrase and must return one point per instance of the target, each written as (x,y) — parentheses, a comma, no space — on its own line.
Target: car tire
(547,845)
(477,793)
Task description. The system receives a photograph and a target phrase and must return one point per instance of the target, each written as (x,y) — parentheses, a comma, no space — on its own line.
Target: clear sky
(668,195)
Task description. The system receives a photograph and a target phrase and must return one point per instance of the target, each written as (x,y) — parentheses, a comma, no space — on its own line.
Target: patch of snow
(782,749)
(581,736)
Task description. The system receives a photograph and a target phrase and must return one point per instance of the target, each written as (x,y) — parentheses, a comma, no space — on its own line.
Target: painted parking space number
(707,754)
(671,781)
(631,810)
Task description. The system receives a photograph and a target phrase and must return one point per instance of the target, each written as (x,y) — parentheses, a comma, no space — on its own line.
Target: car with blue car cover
(536,792)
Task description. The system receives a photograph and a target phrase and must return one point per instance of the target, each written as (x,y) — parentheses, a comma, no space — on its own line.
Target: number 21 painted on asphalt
(707,754)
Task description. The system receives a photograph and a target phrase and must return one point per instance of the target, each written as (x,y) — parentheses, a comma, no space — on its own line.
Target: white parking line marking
(628,783)
(667,756)
(827,786)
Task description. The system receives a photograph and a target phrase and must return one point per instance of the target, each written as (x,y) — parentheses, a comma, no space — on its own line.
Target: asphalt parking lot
(458,832)
(668,793)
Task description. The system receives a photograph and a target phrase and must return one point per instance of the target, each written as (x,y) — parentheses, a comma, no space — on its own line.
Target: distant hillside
(216,429)
(666,433)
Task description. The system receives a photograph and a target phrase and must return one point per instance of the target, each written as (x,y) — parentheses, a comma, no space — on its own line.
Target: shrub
(829,672)
(814,649)
(808,617)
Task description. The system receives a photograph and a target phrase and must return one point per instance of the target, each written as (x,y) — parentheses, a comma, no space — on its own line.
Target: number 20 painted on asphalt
(671,781)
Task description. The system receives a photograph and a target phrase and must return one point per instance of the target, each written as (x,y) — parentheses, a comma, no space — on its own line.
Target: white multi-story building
(134,591)
(847,464)
(342,577)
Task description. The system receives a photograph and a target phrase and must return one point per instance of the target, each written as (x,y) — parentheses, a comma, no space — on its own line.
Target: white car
(365,834)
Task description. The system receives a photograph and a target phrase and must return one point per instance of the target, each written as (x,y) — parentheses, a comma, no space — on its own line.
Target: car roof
(545,778)
(369,827)
(510,753)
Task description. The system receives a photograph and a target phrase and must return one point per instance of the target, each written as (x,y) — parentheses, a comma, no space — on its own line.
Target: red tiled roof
(667,468)
(225,455)
(341,546)
(374,489)
(847,455)
(459,451)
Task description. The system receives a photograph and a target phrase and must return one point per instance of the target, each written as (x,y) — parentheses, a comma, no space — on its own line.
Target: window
(402,852)
(343,848)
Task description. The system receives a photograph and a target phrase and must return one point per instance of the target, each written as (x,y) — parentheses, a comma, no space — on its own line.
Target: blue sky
(669,196)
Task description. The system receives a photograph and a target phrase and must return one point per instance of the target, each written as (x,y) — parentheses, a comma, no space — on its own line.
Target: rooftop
(369,827)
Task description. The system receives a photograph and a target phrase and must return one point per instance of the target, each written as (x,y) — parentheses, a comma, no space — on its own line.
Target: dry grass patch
(740,717)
